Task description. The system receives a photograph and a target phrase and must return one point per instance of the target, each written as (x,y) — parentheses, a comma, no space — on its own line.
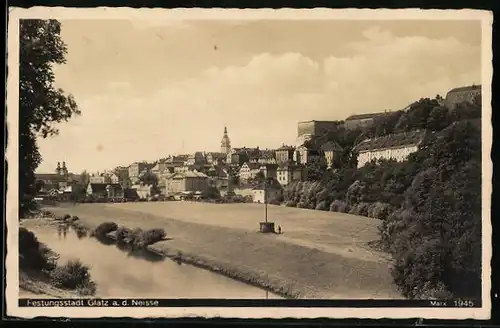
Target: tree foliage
(430,205)
(41,104)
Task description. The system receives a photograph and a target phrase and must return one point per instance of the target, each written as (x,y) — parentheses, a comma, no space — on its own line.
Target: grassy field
(320,254)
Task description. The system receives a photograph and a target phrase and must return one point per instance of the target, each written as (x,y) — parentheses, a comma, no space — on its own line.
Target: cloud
(262,100)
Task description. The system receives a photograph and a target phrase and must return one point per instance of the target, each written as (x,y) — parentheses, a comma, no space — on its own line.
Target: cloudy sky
(149,89)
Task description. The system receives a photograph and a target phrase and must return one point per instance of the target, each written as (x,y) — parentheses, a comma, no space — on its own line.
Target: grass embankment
(308,261)
(40,273)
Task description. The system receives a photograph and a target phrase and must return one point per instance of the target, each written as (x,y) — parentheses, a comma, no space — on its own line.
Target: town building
(58,180)
(265,194)
(269,170)
(159,168)
(305,155)
(238,156)
(225,144)
(267,156)
(395,146)
(198,159)
(97,179)
(215,158)
(218,177)
(248,171)
(105,190)
(143,191)
(135,170)
(462,94)
(332,152)
(285,154)
(309,129)
(186,181)
(361,120)
(289,172)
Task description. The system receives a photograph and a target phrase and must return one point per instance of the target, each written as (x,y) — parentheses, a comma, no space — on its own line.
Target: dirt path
(335,265)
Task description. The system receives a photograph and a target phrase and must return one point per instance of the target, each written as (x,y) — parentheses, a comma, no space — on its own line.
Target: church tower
(225,144)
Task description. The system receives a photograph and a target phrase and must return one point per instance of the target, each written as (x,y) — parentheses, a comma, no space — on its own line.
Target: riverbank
(31,286)
(283,264)
(34,283)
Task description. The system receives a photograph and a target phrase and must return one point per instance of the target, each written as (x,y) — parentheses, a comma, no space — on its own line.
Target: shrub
(46,213)
(34,255)
(104,228)
(290,203)
(434,292)
(360,209)
(379,210)
(301,205)
(339,206)
(322,206)
(122,233)
(150,237)
(88,288)
(71,275)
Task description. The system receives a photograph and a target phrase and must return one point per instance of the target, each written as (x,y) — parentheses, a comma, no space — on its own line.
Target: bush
(379,210)
(322,206)
(150,237)
(34,255)
(122,234)
(339,206)
(72,275)
(46,213)
(104,228)
(290,203)
(360,209)
(301,205)
(88,288)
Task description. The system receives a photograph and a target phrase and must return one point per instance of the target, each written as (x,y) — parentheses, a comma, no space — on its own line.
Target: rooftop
(467,88)
(391,141)
(286,147)
(364,116)
(315,121)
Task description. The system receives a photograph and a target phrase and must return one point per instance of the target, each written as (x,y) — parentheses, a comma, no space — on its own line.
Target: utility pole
(265,196)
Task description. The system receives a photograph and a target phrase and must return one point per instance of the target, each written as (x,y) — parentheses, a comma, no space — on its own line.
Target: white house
(287,173)
(395,146)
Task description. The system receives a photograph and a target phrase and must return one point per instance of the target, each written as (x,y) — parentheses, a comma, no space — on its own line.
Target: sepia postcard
(257,163)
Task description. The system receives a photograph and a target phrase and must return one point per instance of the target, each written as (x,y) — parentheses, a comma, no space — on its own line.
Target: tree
(149,178)
(41,105)
(260,177)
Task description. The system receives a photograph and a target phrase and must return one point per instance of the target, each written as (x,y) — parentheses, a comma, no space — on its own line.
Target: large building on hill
(309,129)
(361,120)
(462,94)
(394,146)
(284,154)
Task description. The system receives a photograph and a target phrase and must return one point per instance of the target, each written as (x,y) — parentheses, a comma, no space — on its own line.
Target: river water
(120,273)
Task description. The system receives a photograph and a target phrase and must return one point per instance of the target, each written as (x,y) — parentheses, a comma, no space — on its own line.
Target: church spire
(225,144)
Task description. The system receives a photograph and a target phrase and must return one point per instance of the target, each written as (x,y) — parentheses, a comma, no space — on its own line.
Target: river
(119,273)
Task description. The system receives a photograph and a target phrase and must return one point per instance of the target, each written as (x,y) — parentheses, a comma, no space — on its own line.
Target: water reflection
(121,272)
(64,227)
